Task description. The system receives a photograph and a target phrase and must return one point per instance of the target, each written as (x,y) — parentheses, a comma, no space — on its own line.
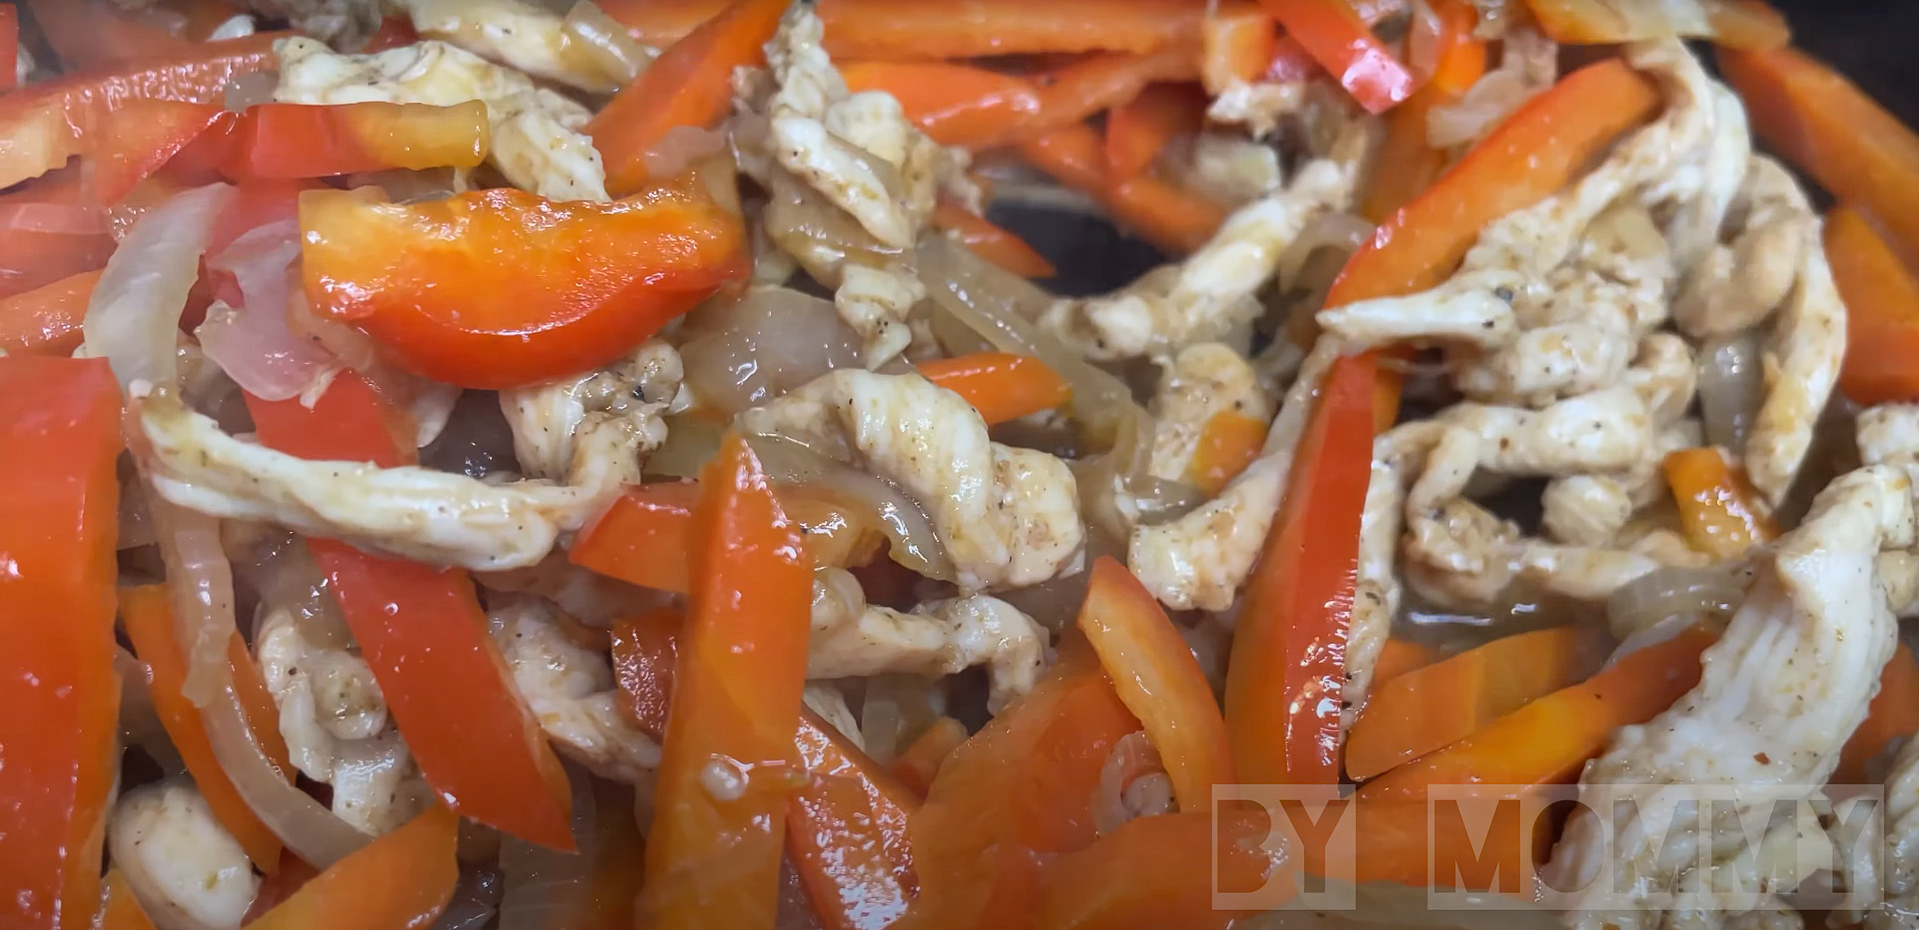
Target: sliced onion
(404,185)
(200,587)
(802,222)
(1132,784)
(1671,592)
(1344,232)
(251,89)
(743,353)
(691,441)
(914,543)
(1731,388)
(353,348)
(303,824)
(133,318)
(894,709)
(1000,306)
(254,344)
(139,721)
(605,44)
(544,887)
(681,148)
(475,900)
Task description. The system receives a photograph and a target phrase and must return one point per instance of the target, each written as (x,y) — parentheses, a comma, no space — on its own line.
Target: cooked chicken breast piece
(185,869)
(571,691)
(1008,517)
(519,34)
(594,430)
(1203,380)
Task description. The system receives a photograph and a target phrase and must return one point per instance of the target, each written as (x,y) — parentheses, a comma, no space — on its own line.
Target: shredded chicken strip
(1800,364)
(537,143)
(416,513)
(592,430)
(1212,291)
(1737,285)
(853,638)
(1398,454)
(571,691)
(1202,380)
(183,867)
(1785,684)
(521,35)
(1008,517)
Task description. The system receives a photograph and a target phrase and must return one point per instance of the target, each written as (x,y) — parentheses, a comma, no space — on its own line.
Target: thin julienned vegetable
(46,320)
(920,762)
(1335,35)
(1882,310)
(999,385)
(1172,218)
(1228,443)
(996,245)
(1892,715)
(1721,513)
(399,881)
(1138,130)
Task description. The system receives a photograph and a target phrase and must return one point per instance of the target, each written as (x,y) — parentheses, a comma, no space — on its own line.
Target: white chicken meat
(1007,517)
(536,139)
(418,513)
(1782,688)
(571,691)
(522,35)
(853,638)
(185,869)
(593,430)
(1800,366)
(1737,284)
(1228,168)
(865,159)
(1212,291)
(1201,381)
(335,723)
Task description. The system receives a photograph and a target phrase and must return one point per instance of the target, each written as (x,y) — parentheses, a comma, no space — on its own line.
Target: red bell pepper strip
(846,832)
(713,855)
(46,320)
(290,140)
(1288,666)
(846,825)
(197,73)
(47,234)
(955,104)
(1173,219)
(293,875)
(397,882)
(1236,44)
(1020,790)
(61,432)
(1158,679)
(9,47)
(1074,92)
(1000,385)
(424,635)
(1335,35)
(497,288)
(128,142)
(1827,127)
(690,84)
(918,764)
(1548,740)
(395,30)
(1746,24)
(1444,46)
(1138,130)
(1158,871)
(122,910)
(1882,310)
(996,245)
(149,623)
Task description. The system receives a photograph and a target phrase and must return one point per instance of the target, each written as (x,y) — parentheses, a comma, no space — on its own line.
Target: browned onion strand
(743,353)
(914,543)
(1000,307)
(1731,388)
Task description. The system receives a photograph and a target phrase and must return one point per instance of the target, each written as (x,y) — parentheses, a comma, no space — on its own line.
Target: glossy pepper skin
(500,288)
(60,432)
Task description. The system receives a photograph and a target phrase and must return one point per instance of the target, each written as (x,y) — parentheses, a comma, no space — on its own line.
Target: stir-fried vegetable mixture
(476,463)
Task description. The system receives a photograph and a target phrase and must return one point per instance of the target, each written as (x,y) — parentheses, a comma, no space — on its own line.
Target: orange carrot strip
(1139,129)
(920,763)
(1236,46)
(1550,739)
(1882,311)
(1893,714)
(149,623)
(996,245)
(690,84)
(1398,657)
(1718,508)
(1827,127)
(1176,220)
(1001,386)
(956,104)
(1158,679)
(46,320)
(402,879)
(1429,708)
(1228,443)
(713,861)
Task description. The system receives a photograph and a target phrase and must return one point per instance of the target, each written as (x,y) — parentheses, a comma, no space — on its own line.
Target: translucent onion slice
(133,318)
(914,543)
